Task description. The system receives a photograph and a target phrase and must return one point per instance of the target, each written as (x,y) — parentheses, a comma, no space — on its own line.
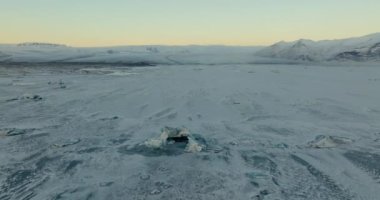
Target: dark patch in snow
(47,160)
(91,150)
(26,97)
(72,165)
(14,131)
(370,162)
(66,143)
(141,149)
(181,139)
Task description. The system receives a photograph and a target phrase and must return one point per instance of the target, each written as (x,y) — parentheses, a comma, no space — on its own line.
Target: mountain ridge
(357,49)
(365,48)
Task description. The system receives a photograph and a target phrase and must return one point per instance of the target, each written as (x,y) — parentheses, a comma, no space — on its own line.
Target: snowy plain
(269,131)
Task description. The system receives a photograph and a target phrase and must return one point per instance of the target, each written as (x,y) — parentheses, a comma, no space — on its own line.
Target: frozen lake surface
(267,132)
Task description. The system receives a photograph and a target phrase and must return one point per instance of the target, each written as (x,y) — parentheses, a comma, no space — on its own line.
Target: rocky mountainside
(365,48)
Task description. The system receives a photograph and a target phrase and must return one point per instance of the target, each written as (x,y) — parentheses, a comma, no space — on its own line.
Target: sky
(182,22)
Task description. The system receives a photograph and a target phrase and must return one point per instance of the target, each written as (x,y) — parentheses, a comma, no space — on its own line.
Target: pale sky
(181,22)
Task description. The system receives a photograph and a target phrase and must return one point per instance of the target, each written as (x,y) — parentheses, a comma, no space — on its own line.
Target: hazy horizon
(234,23)
(179,45)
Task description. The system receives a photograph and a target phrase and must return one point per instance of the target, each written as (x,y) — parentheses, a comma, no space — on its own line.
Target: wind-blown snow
(266,132)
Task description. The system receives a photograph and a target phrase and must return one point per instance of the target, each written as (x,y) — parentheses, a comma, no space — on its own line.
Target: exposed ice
(172,135)
(193,146)
(323,141)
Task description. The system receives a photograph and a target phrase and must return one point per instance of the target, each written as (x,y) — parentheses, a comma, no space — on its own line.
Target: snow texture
(253,132)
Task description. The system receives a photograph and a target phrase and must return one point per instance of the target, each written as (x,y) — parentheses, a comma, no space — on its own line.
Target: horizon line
(182,45)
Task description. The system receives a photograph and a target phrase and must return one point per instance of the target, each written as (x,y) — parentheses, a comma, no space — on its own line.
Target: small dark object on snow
(182,139)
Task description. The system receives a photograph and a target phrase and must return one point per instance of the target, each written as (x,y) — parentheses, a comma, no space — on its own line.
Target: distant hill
(40,45)
(45,52)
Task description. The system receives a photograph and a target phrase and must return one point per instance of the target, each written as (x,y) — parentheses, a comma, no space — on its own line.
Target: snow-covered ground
(264,132)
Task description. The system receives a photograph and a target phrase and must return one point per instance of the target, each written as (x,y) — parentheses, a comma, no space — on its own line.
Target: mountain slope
(360,49)
(365,48)
(43,52)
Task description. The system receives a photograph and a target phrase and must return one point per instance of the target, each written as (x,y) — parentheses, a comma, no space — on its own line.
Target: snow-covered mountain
(44,52)
(361,49)
(365,48)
